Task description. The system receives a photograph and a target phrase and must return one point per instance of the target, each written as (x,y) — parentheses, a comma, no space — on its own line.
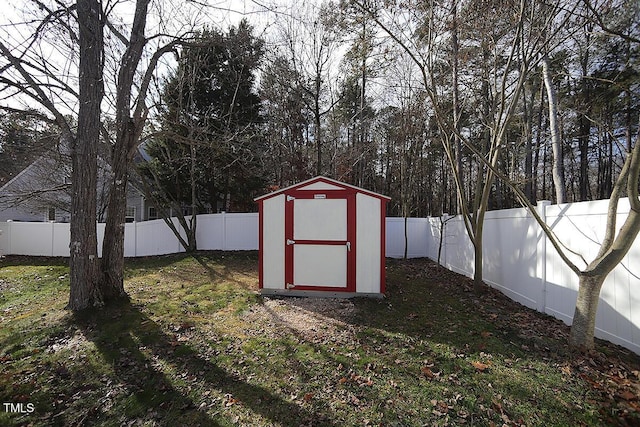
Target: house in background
(42,191)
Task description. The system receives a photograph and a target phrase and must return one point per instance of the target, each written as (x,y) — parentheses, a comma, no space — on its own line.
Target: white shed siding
(321,186)
(273,241)
(368,244)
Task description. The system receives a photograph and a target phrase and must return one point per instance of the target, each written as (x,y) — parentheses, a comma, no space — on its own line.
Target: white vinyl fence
(518,259)
(225,231)
(521,262)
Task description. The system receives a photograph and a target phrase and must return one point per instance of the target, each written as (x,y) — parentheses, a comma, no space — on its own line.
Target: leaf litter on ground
(199,346)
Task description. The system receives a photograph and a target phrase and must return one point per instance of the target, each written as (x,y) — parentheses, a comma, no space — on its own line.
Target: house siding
(44,184)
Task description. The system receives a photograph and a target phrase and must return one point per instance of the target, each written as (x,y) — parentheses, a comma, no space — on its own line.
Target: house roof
(60,149)
(329,184)
(19,175)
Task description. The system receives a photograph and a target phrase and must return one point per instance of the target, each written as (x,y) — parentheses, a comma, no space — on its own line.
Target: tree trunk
(193,222)
(406,236)
(113,243)
(443,227)
(529,169)
(83,263)
(316,122)
(478,284)
(538,148)
(584,317)
(456,98)
(583,142)
(128,131)
(556,143)
(584,123)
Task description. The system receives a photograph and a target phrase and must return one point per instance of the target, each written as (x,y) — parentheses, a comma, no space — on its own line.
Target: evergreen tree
(207,153)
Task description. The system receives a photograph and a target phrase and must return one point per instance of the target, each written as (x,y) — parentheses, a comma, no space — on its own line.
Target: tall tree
(25,76)
(206,153)
(311,48)
(30,72)
(499,58)
(287,122)
(554,129)
(359,30)
(136,69)
(84,265)
(129,125)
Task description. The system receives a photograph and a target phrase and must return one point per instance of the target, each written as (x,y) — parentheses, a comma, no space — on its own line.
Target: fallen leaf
(480,366)
(628,395)
(427,372)
(230,401)
(307,397)
(593,383)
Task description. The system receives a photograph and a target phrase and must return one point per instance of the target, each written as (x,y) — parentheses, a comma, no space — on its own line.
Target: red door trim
(350,196)
(260,245)
(383,245)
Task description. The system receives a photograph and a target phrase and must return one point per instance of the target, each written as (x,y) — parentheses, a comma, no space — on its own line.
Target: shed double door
(320,239)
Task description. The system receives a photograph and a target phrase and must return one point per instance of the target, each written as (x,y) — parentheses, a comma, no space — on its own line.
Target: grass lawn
(197,345)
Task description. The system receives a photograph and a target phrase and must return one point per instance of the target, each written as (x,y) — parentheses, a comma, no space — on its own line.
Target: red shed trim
(325,180)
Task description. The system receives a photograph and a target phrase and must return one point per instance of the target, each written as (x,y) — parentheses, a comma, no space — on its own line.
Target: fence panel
(210,232)
(61,237)
(241,232)
(510,255)
(5,238)
(151,238)
(30,238)
(417,236)
(458,248)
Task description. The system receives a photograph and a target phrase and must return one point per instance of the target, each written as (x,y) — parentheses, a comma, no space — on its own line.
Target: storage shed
(322,237)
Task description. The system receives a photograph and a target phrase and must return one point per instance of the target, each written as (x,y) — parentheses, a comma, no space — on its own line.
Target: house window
(51,214)
(131,214)
(153,213)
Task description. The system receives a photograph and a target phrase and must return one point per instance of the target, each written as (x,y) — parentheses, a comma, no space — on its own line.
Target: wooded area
(331,93)
(447,107)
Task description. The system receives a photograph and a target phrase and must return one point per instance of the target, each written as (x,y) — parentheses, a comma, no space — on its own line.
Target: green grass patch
(197,345)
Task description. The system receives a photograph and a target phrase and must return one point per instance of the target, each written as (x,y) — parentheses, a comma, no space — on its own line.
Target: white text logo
(19,408)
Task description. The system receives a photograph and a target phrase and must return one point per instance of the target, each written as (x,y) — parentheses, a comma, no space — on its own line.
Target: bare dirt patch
(312,318)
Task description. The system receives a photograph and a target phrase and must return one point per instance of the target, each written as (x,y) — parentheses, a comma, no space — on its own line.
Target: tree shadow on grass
(229,263)
(141,353)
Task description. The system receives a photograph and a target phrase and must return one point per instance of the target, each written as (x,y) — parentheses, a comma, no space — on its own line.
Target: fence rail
(518,259)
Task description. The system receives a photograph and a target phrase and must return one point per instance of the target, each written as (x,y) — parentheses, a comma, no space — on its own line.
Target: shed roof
(309,185)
